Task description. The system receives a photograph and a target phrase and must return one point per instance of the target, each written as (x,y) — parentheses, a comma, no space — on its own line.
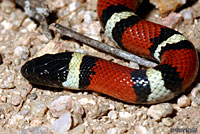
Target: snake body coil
(177,57)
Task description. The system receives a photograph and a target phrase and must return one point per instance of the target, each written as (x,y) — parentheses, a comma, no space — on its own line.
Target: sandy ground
(26,108)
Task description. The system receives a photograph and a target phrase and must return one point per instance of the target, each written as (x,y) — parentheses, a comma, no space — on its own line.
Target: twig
(30,8)
(23,100)
(102,46)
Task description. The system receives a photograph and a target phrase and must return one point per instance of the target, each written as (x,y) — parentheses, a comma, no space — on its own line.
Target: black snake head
(48,70)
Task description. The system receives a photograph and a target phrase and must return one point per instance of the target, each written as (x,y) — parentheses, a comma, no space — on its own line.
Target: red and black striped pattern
(177,69)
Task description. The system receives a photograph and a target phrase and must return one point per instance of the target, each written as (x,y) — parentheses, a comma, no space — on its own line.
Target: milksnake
(177,57)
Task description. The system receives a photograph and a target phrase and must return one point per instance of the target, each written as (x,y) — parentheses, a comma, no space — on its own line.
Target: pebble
(183,101)
(172,19)
(77,119)
(48,48)
(30,25)
(89,16)
(36,122)
(16,99)
(7,107)
(196,101)
(74,5)
(16,119)
(125,115)
(32,96)
(24,112)
(112,131)
(139,114)
(58,3)
(90,29)
(8,6)
(7,81)
(187,14)
(3,99)
(160,110)
(85,101)
(62,124)
(21,52)
(195,91)
(38,109)
(141,130)
(167,122)
(112,115)
(36,130)
(7,25)
(167,6)
(115,130)
(78,130)
(60,105)
(97,111)
(65,104)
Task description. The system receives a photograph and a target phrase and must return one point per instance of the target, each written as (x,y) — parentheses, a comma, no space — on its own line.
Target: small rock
(7,81)
(89,16)
(112,115)
(167,6)
(167,122)
(16,99)
(58,4)
(183,101)
(90,29)
(3,99)
(74,5)
(77,119)
(139,114)
(30,25)
(48,48)
(141,130)
(36,123)
(187,14)
(196,101)
(36,130)
(7,107)
(125,115)
(160,110)
(60,105)
(62,124)
(24,112)
(38,109)
(64,104)
(7,25)
(172,19)
(195,91)
(8,6)
(80,129)
(85,101)
(112,131)
(32,96)
(21,52)
(97,111)
(16,119)
(116,130)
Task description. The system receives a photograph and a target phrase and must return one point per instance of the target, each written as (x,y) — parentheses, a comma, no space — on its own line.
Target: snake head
(48,70)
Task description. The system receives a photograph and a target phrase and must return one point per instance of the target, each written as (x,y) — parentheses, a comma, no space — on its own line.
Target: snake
(176,55)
